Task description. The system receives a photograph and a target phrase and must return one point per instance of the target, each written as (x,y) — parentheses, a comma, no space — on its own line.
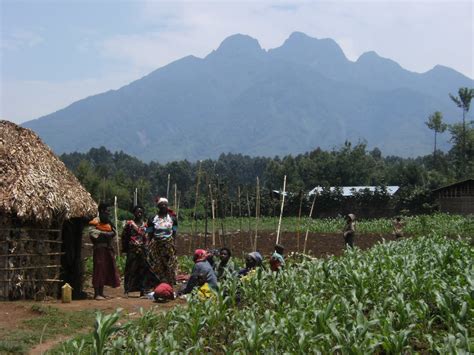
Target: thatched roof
(35,184)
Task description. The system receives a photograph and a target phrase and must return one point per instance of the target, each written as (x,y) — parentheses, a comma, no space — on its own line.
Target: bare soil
(318,244)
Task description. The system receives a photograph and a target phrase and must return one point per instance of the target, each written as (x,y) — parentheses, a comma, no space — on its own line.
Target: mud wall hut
(43,209)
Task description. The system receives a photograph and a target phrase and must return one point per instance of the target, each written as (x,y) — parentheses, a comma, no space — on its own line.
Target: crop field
(324,238)
(411,295)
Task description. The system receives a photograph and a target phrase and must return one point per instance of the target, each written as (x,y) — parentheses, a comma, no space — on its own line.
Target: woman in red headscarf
(202,270)
(161,250)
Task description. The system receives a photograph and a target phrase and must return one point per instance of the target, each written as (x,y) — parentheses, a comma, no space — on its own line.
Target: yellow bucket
(66,293)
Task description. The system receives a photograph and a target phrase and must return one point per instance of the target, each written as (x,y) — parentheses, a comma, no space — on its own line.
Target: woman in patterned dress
(133,244)
(161,250)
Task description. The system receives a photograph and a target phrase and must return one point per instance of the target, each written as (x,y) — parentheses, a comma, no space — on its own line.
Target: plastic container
(66,293)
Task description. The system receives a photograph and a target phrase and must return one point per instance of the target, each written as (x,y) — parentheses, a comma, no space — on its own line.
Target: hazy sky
(56,52)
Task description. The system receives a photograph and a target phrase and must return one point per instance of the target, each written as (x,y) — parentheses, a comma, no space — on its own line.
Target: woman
(202,271)
(225,266)
(349,230)
(252,261)
(105,272)
(162,252)
(133,244)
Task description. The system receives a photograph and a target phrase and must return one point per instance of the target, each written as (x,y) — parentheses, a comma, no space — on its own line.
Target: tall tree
(463,101)
(435,122)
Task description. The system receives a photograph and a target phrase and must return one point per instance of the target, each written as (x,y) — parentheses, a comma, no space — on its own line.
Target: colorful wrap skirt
(162,259)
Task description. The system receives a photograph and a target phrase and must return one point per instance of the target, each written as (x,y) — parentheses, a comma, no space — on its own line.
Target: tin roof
(350,190)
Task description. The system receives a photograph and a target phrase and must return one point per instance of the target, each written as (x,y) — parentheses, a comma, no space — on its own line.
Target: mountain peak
(303,48)
(299,36)
(371,58)
(239,44)
(368,56)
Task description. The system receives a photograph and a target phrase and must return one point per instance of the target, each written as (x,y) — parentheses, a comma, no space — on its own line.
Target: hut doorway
(72,266)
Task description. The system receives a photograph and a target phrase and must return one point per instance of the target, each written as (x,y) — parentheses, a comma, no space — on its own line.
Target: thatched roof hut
(43,209)
(36,185)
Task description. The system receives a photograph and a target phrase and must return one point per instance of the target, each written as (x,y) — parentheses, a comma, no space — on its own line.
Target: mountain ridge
(242,98)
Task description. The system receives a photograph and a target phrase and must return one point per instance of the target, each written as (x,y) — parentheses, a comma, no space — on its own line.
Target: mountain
(242,98)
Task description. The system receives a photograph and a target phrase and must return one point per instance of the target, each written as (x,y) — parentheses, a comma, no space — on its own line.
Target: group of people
(151,261)
(151,254)
(350,228)
(207,274)
(148,245)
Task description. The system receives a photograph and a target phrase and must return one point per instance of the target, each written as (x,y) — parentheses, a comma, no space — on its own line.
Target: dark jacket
(202,267)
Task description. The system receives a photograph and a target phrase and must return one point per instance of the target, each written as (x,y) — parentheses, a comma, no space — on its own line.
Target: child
(398,228)
(277,262)
(349,230)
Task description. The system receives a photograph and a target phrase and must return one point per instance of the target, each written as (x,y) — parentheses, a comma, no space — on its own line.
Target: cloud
(23,100)
(19,39)
(418,35)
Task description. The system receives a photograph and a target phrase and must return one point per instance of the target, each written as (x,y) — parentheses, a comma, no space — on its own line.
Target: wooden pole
(248,217)
(257,213)
(240,213)
(213,225)
(168,187)
(281,210)
(195,208)
(298,231)
(177,206)
(135,197)
(205,227)
(307,228)
(116,225)
(175,196)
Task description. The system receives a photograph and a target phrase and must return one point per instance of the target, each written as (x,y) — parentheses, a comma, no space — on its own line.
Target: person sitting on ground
(201,267)
(252,261)
(277,262)
(225,266)
(164,292)
(211,253)
(101,233)
(349,230)
(204,292)
(398,228)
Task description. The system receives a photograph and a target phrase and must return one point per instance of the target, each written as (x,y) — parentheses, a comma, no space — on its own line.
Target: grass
(48,323)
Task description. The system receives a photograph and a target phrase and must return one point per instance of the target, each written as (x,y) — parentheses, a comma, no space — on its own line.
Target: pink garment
(164,290)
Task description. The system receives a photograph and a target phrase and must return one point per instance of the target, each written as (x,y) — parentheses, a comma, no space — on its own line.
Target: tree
(463,101)
(435,122)
(460,135)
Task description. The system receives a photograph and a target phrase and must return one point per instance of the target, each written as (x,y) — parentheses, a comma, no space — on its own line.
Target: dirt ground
(318,244)
(13,314)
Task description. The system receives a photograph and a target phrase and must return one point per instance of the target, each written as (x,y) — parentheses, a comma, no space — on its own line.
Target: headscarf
(200,255)
(161,199)
(257,257)
(352,217)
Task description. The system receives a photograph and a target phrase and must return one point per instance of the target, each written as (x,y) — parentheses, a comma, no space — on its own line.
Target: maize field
(411,296)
